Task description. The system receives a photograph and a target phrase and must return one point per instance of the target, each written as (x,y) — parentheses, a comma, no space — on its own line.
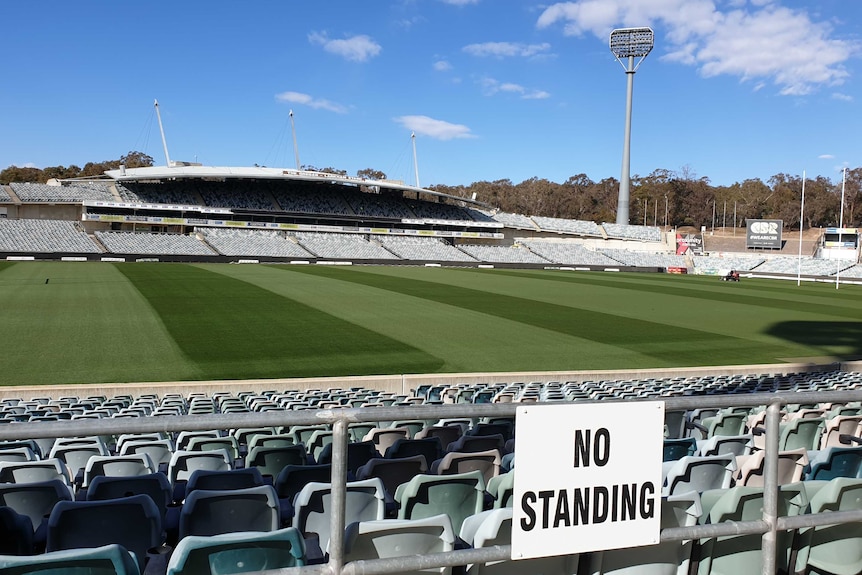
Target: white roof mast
(162,130)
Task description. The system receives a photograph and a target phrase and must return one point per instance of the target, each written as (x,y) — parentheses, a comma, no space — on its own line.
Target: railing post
(770,489)
(338,496)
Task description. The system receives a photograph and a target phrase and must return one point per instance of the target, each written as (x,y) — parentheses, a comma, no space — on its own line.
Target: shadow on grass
(839,339)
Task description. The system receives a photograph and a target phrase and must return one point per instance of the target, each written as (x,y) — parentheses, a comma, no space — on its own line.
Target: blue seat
(212,512)
(16,533)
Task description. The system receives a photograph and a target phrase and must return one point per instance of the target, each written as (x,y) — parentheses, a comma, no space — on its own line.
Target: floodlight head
(631,42)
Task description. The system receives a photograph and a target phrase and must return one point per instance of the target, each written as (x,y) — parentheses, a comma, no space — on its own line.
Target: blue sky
(494,89)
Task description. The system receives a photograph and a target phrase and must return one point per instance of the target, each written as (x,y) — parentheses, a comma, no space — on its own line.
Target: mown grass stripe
(232,329)
(659,340)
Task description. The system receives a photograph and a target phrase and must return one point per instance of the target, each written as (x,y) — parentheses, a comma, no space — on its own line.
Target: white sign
(588,477)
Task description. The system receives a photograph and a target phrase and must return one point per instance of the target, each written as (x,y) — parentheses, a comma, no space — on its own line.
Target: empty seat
(399,538)
(35,501)
(117,466)
(212,512)
(224,480)
(393,472)
(430,448)
(270,460)
(105,560)
(16,533)
(458,496)
(153,485)
(364,501)
(833,549)
(488,462)
(242,552)
(358,454)
(133,522)
(34,471)
(700,474)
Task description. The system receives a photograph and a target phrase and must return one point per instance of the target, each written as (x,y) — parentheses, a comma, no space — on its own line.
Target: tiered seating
(579,227)
(235,242)
(632,232)
(342,246)
(809,266)
(44,236)
(30,192)
(715,263)
(312,201)
(4,195)
(503,254)
(229,197)
(379,206)
(203,510)
(569,253)
(641,259)
(153,244)
(170,193)
(423,249)
(438,211)
(852,272)
(515,220)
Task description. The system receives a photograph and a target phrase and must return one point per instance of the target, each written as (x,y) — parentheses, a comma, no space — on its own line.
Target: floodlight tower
(628,44)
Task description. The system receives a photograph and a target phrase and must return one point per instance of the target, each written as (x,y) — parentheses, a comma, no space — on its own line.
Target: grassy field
(98,322)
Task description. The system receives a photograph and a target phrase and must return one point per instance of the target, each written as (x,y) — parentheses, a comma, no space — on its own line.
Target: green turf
(97,322)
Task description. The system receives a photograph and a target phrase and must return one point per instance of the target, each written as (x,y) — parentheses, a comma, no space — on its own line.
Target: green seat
(458,496)
(833,549)
(242,552)
(494,527)
(800,432)
(668,558)
(501,488)
(386,538)
(106,560)
(270,460)
(740,555)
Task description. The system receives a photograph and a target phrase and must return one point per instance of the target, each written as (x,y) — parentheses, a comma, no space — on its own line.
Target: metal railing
(768,526)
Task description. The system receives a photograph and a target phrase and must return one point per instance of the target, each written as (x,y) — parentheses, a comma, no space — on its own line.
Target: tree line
(664,197)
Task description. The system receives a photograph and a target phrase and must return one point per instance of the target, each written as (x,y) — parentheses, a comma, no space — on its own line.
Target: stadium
(349,402)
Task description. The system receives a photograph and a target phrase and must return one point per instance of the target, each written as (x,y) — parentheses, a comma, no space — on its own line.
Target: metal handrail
(339,418)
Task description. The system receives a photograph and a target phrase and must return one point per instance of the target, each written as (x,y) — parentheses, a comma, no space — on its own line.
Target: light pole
(665,210)
(628,44)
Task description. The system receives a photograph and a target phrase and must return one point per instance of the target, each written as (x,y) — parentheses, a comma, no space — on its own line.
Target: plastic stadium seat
(358,454)
(741,554)
(430,448)
(445,433)
(835,462)
(212,512)
(392,472)
(458,496)
(35,501)
(802,432)
(474,443)
(35,471)
(242,552)
(159,450)
(319,439)
(837,426)
(833,549)
(183,437)
(700,474)
(16,533)
(502,488)
(722,444)
(364,502)
(399,538)
(118,466)
(228,443)
(384,437)
(104,560)
(224,480)
(494,527)
(791,468)
(133,522)
(675,449)
(17,454)
(270,460)
(488,462)
(669,558)
(153,485)
(183,463)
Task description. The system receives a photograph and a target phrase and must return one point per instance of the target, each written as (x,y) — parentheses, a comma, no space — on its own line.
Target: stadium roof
(181,171)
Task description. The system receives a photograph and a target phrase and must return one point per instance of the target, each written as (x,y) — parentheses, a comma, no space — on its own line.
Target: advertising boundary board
(588,478)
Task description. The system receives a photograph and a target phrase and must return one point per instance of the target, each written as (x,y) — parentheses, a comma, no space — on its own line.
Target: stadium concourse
(196,213)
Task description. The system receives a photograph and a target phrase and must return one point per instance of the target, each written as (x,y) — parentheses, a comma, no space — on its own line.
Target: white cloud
(759,40)
(842,97)
(437,129)
(825,157)
(311,102)
(506,49)
(490,87)
(442,66)
(355,48)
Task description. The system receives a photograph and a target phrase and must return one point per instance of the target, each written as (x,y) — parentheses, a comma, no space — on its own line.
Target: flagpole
(801,220)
